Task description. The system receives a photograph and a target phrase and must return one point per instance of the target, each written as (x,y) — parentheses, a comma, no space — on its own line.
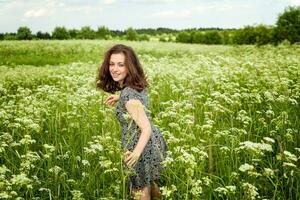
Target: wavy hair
(135,78)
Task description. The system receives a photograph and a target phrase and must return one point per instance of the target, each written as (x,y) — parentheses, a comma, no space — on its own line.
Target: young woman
(142,142)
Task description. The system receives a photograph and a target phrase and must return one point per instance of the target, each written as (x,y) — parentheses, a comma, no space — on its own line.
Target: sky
(45,15)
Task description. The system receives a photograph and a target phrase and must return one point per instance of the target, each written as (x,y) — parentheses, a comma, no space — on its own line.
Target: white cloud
(109,2)
(84,8)
(170,13)
(214,6)
(295,2)
(209,7)
(151,2)
(36,13)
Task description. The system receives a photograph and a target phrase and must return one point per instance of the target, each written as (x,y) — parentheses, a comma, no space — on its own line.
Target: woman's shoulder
(129,92)
(131,89)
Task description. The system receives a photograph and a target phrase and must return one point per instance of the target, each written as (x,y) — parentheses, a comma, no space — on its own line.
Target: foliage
(287,28)
(43,36)
(73,33)
(229,114)
(103,32)
(60,33)
(288,25)
(184,37)
(24,33)
(86,32)
(131,34)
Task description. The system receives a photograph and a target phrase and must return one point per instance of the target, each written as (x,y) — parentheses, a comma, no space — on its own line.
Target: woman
(142,142)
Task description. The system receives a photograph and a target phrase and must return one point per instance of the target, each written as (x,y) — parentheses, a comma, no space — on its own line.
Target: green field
(230,116)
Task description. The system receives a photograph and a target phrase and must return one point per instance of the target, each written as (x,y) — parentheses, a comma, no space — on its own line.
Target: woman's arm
(137,112)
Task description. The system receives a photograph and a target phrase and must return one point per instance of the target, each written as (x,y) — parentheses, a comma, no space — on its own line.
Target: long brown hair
(135,78)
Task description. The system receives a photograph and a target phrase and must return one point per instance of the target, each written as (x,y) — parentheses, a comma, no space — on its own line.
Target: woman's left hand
(131,158)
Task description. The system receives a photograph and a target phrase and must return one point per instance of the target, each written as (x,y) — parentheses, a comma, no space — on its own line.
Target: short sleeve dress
(149,167)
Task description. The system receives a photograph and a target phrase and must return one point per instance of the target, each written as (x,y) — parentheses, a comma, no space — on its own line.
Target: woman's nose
(114,70)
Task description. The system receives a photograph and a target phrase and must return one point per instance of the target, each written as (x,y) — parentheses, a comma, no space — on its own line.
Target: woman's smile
(117,67)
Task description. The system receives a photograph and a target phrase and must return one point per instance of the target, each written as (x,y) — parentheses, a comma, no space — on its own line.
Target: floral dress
(149,166)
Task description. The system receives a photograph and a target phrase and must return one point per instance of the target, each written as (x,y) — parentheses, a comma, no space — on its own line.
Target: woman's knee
(143,193)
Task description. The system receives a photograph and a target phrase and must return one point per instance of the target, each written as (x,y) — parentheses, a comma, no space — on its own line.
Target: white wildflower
(4,169)
(256,147)
(290,156)
(231,188)
(221,191)
(20,179)
(105,163)
(207,181)
(77,195)
(269,113)
(246,167)
(85,162)
(55,170)
(251,190)
(286,164)
(166,191)
(268,139)
(268,172)
(196,187)
(49,147)
(27,140)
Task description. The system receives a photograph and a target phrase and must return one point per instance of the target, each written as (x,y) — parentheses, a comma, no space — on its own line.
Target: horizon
(45,15)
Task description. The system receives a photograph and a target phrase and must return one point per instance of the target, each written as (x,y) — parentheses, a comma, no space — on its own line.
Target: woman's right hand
(111,100)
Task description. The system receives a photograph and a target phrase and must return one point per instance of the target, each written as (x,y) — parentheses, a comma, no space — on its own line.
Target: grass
(230,115)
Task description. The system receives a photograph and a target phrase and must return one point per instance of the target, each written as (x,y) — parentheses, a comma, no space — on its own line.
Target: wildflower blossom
(255,147)
(268,139)
(287,164)
(246,167)
(27,140)
(55,170)
(196,189)
(77,195)
(20,179)
(289,156)
(268,172)
(251,190)
(167,191)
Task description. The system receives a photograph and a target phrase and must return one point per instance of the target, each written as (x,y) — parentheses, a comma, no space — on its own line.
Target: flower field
(230,116)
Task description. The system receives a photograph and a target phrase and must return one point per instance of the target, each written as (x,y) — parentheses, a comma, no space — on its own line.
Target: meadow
(229,114)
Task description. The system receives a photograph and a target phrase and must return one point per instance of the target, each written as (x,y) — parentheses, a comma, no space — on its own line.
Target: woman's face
(117,68)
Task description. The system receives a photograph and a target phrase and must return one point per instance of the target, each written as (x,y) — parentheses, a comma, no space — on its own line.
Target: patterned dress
(149,166)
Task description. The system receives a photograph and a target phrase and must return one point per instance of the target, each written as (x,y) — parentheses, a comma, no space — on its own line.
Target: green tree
(198,37)
(264,34)
(43,36)
(227,36)
(184,37)
(131,34)
(103,32)
(163,37)
(143,37)
(60,33)
(213,37)
(86,33)
(246,35)
(24,33)
(10,36)
(73,33)
(288,25)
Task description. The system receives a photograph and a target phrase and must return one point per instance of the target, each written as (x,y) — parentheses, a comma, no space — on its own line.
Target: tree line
(287,29)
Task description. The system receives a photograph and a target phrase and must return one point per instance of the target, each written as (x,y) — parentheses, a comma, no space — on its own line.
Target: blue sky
(45,15)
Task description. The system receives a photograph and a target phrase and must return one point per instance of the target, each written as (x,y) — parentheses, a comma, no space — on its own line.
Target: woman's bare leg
(142,194)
